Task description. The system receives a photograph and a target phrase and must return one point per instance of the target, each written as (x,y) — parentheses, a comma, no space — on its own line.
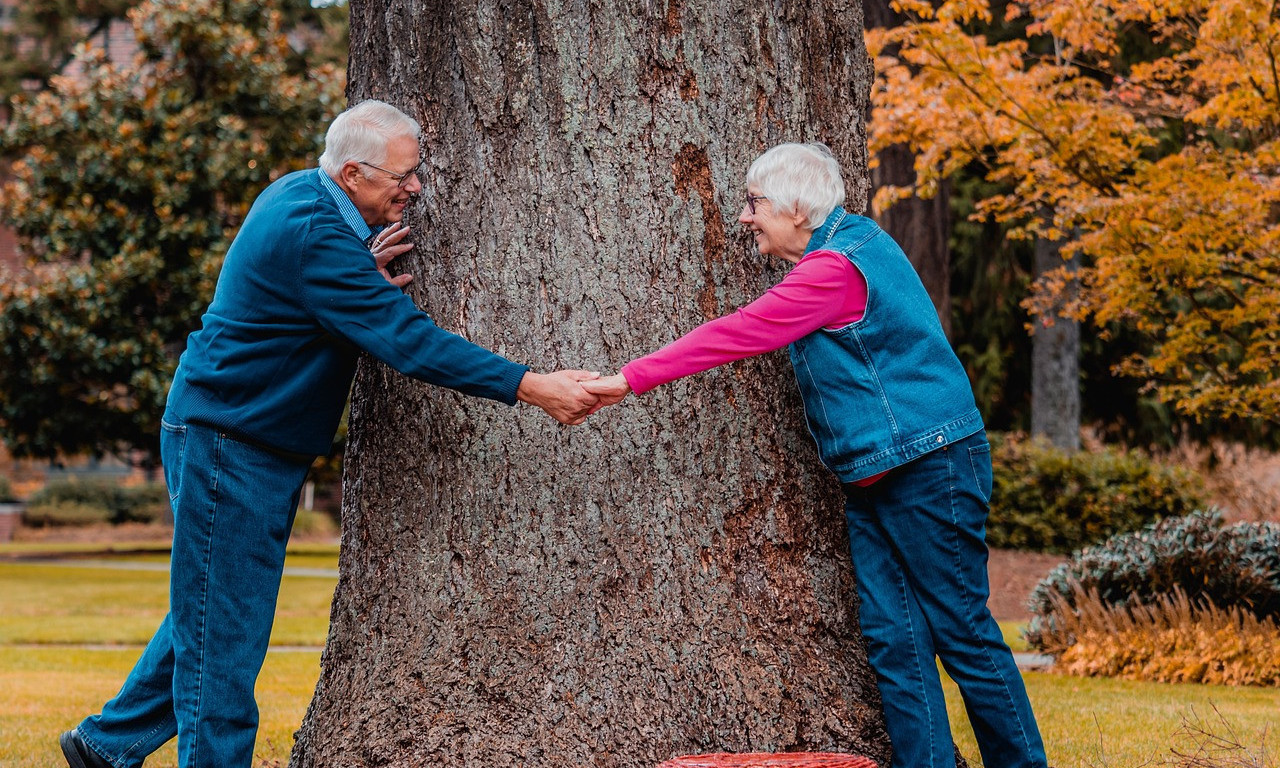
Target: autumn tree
(674,576)
(129,186)
(921,225)
(1158,162)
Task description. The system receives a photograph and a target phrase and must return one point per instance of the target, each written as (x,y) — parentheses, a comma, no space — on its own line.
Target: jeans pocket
(173,450)
(980,463)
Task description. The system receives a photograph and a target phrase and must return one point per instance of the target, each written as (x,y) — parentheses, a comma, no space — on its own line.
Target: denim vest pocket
(980,463)
(173,451)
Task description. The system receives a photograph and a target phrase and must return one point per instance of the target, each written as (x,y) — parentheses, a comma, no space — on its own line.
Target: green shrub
(1228,566)
(6,489)
(312,524)
(146,503)
(56,514)
(1047,500)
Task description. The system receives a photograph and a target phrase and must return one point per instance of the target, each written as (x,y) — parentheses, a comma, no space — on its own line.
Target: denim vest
(887,389)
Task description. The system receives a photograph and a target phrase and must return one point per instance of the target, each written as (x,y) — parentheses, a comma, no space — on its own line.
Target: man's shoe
(78,753)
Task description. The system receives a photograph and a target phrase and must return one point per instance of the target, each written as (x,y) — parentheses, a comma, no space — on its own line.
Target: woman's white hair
(799,178)
(362,132)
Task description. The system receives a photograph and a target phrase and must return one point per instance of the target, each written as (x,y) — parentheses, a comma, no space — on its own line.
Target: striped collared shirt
(347,207)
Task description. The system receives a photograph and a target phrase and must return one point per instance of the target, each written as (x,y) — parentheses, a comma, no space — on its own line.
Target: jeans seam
(92,744)
(904,590)
(968,594)
(204,598)
(134,746)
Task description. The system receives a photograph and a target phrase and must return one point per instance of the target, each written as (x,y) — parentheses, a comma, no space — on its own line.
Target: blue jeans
(233,506)
(918,542)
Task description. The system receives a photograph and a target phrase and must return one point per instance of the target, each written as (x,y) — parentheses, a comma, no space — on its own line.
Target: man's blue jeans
(918,542)
(233,506)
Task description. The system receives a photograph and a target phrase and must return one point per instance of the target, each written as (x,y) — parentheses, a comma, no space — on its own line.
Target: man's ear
(351,174)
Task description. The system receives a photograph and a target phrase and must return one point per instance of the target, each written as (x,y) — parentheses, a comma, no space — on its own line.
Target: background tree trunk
(1055,364)
(674,576)
(922,227)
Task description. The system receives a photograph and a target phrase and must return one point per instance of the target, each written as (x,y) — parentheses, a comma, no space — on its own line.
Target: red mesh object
(771,760)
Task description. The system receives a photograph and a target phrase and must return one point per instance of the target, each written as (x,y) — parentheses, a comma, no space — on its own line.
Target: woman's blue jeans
(233,506)
(918,542)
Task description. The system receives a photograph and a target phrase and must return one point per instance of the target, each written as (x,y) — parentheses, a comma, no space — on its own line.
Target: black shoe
(78,753)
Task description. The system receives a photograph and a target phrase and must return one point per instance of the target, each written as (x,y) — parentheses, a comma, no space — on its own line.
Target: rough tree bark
(674,576)
(921,226)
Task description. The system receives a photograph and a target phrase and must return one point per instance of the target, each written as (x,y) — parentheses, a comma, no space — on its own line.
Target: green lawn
(49,682)
(1104,723)
(47,604)
(48,690)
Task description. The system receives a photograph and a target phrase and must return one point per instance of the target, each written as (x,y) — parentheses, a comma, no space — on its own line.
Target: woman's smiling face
(777,233)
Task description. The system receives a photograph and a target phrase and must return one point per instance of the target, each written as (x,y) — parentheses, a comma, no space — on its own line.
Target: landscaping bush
(6,489)
(1047,500)
(1227,566)
(54,514)
(311,524)
(1170,640)
(147,503)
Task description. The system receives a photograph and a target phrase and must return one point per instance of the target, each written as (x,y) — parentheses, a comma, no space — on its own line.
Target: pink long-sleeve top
(823,290)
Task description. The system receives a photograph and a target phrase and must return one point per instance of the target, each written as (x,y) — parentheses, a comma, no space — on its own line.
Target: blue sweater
(298,298)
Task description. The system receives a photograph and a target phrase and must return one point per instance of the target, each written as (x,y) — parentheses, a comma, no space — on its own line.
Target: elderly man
(257,395)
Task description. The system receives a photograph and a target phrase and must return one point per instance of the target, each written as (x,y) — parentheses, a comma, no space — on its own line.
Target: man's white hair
(363,132)
(799,178)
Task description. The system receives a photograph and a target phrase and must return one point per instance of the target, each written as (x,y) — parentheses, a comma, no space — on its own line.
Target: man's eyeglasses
(751,202)
(401,178)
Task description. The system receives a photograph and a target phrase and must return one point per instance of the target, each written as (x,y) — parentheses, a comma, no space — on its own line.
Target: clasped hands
(570,396)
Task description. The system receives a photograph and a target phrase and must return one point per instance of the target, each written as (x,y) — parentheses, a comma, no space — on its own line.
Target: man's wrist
(530,383)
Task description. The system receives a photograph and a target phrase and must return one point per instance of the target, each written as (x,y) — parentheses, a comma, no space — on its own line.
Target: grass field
(59,621)
(48,690)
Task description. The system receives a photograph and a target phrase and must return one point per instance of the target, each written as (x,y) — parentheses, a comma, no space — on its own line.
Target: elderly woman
(892,412)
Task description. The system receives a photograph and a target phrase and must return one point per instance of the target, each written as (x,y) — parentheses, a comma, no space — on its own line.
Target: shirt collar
(348,208)
(822,235)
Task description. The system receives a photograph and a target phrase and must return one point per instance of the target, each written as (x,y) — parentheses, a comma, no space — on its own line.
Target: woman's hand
(560,394)
(389,244)
(610,389)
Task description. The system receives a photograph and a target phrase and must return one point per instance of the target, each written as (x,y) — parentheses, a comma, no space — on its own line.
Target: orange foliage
(1161,167)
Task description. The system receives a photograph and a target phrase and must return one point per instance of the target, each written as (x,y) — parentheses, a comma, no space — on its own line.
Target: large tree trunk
(1055,363)
(674,576)
(921,226)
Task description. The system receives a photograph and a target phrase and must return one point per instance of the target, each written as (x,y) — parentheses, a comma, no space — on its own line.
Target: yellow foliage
(1171,641)
(1162,173)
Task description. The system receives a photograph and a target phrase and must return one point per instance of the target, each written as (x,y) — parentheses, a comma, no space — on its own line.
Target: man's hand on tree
(386,246)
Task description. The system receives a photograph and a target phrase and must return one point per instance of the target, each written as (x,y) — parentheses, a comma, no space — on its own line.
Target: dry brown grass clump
(1169,640)
(1215,743)
(1242,481)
